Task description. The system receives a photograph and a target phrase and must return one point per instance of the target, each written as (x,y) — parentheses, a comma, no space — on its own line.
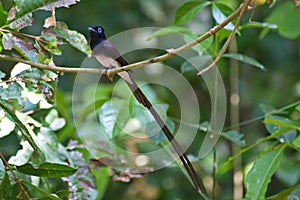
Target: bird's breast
(107,61)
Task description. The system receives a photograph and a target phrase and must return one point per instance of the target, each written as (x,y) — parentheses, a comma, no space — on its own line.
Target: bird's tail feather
(140,96)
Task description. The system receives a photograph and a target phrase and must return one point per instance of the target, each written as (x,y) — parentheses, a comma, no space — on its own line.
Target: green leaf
(222,35)
(220,12)
(285,16)
(39,155)
(20,15)
(296,142)
(91,108)
(13,91)
(37,192)
(60,3)
(102,175)
(2,170)
(287,193)
(54,121)
(288,172)
(75,39)
(187,11)
(5,187)
(24,46)
(33,75)
(23,7)
(283,122)
(245,59)
(235,137)
(3,15)
(298,108)
(267,110)
(21,22)
(200,47)
(109,117)
(52,170)
(259,176)
(169,30)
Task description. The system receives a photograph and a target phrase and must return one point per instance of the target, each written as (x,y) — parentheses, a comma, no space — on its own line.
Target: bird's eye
(99,30)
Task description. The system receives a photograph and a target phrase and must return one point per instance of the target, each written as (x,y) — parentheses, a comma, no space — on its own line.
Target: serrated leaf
(3,15)
(21,22)
(20,15)
(24,46)
(169,30)
(187,11)
(285,16)
(52,170)
(23,7)
(259,176)
(220,12)
(33,75)
(245,59)
(75,39)
(60,3)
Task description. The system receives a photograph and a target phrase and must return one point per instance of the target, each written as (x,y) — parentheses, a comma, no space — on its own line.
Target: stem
(15,176)
(235,119)
(243,8)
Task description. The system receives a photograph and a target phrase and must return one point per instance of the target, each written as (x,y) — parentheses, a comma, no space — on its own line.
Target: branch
(52,67)
(15,177)
(170,53)
(226,45)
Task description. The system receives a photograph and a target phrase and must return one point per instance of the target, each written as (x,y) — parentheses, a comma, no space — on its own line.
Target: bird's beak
(91,29)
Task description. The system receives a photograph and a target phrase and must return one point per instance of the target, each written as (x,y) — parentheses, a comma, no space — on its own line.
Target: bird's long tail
(141,98)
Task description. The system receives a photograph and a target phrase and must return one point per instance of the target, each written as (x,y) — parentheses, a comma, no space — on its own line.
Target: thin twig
(15,176)
(52,67)
(170,54)
(243,10)
(214,173)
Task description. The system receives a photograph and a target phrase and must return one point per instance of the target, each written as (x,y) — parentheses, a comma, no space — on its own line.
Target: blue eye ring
(99,30)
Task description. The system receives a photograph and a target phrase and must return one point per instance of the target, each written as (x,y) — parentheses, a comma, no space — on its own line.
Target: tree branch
(52,67)
(170,53)
(226,45)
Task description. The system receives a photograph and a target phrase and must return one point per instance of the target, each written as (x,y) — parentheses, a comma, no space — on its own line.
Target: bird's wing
(111,51)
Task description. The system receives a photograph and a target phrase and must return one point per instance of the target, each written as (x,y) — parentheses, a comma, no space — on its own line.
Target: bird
(108,56)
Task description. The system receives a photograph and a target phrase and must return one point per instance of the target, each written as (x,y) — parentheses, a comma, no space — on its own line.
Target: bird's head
(97,35)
